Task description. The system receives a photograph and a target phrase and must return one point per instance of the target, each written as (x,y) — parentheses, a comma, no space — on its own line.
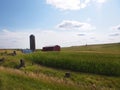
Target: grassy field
(12,79)
(104,48)
(94,67)
(96,61)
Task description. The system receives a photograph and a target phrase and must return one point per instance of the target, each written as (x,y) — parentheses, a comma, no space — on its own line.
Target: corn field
(96,63)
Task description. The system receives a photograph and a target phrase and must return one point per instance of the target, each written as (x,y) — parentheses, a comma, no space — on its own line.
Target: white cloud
(114,34)
(73,4)
(68,4)
(81,34)
(10,39)
(100,1)
(75,25)
(117,27)
(20,39)
(16,39)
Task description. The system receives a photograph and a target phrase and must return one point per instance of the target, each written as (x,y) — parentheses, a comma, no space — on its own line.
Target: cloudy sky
(59,22)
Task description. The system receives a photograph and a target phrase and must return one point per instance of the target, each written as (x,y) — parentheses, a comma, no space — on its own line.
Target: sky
(59,22)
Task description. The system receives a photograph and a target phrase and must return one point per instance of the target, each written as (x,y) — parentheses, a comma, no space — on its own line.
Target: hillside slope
(13,79)
(103,48)
(46,70)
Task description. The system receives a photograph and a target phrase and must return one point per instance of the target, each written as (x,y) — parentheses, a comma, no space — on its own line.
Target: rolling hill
(91,67)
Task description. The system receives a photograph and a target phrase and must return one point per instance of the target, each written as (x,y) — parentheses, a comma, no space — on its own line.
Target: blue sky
(62,22)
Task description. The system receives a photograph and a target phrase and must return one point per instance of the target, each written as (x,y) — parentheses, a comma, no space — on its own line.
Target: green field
(92,67)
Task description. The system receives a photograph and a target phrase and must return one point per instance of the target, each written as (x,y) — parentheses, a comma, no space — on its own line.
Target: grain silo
(32,42)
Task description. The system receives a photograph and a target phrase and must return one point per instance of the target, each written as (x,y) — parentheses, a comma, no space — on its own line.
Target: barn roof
(52,46)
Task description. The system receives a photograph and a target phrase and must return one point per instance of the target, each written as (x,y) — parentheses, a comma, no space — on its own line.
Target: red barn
(51,48)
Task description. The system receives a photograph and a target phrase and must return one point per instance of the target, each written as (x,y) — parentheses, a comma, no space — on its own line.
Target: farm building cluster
(51,48)
(46,48)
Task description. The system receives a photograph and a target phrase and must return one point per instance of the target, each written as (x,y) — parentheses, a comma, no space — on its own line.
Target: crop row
(97,63)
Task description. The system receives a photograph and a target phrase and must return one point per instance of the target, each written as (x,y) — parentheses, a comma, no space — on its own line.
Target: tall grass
(11,79)
(97,63)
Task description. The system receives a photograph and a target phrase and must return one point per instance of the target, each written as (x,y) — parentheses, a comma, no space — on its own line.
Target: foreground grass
(11,79)
(82,80)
